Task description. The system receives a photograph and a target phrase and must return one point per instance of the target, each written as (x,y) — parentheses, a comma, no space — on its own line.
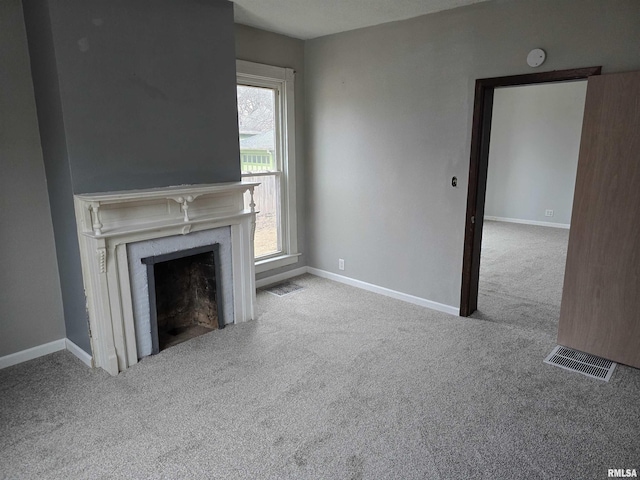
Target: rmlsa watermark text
(622,472)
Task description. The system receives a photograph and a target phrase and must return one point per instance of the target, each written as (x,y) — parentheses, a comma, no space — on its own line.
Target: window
(267,155)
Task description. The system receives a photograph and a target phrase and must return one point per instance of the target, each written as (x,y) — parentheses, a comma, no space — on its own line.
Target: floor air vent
(581,362)
(285,288)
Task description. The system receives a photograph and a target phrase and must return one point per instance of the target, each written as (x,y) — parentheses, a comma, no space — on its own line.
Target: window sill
(276,262)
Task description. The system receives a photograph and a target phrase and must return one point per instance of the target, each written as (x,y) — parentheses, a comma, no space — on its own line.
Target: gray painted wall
(258,46)
(533,155)
(30,301)
(57,168)
(389,111)
(147,92)
(129,95)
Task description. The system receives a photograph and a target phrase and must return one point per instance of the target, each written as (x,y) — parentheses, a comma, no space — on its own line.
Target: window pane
(257,128)
(256,124)
(267,198)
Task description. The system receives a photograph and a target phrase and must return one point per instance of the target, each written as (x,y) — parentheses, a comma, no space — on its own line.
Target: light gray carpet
(521,275)
(332,382)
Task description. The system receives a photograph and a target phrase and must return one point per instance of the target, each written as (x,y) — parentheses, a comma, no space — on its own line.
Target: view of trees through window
(258,156)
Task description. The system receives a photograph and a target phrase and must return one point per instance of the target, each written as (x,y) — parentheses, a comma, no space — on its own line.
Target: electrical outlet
(341,264)
(548,213)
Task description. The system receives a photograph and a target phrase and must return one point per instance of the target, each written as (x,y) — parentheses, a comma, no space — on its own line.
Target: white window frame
(282,81)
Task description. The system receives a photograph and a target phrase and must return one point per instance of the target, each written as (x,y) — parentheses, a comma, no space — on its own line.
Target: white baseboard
(263,282)
(528,222)
(78,352)
(46,349)
(423,302)
(31,353)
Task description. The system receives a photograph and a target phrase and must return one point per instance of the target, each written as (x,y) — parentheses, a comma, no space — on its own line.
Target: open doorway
(533,160)
(478,170)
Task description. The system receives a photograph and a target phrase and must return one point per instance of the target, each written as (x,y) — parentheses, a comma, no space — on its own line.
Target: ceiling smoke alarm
(536,57)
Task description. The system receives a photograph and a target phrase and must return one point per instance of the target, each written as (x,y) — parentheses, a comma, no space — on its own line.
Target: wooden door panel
(600,311)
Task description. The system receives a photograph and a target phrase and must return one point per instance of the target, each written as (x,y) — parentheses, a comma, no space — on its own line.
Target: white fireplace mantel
(107,222)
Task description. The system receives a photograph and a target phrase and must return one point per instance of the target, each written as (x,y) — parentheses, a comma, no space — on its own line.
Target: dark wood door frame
(478,166)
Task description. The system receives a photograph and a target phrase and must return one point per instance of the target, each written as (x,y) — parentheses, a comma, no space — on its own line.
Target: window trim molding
(282,79)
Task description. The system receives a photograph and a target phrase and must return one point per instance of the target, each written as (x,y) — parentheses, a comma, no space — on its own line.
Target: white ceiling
(314,18)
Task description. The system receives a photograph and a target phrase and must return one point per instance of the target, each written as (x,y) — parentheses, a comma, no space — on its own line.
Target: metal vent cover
(584,363)
(284,288)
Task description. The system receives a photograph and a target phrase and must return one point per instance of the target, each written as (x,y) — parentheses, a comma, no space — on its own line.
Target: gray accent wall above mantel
(129,95)
(147,90)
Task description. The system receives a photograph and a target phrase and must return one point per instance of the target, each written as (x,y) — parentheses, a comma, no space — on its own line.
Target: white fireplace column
(107,222)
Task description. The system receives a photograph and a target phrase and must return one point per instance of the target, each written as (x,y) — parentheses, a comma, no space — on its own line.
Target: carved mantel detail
(107,222)
(102,259)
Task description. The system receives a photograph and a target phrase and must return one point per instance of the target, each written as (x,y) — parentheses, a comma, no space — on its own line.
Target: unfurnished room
(296,239)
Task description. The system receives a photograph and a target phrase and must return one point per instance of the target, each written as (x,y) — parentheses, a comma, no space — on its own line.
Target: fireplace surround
(111,226)
(140,281)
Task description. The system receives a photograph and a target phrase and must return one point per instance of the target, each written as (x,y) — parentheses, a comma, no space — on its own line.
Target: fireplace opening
(184,295)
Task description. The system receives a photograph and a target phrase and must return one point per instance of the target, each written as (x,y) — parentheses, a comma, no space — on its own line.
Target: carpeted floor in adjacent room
(336,382)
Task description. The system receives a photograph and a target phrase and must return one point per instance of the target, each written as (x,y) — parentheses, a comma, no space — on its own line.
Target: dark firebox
(183,295)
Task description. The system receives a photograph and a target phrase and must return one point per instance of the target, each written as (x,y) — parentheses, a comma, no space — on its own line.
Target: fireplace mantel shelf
(104,198)
(133,211)
(180,224)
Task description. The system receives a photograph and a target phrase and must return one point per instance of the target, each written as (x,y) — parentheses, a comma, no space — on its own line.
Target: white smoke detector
(536,57)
